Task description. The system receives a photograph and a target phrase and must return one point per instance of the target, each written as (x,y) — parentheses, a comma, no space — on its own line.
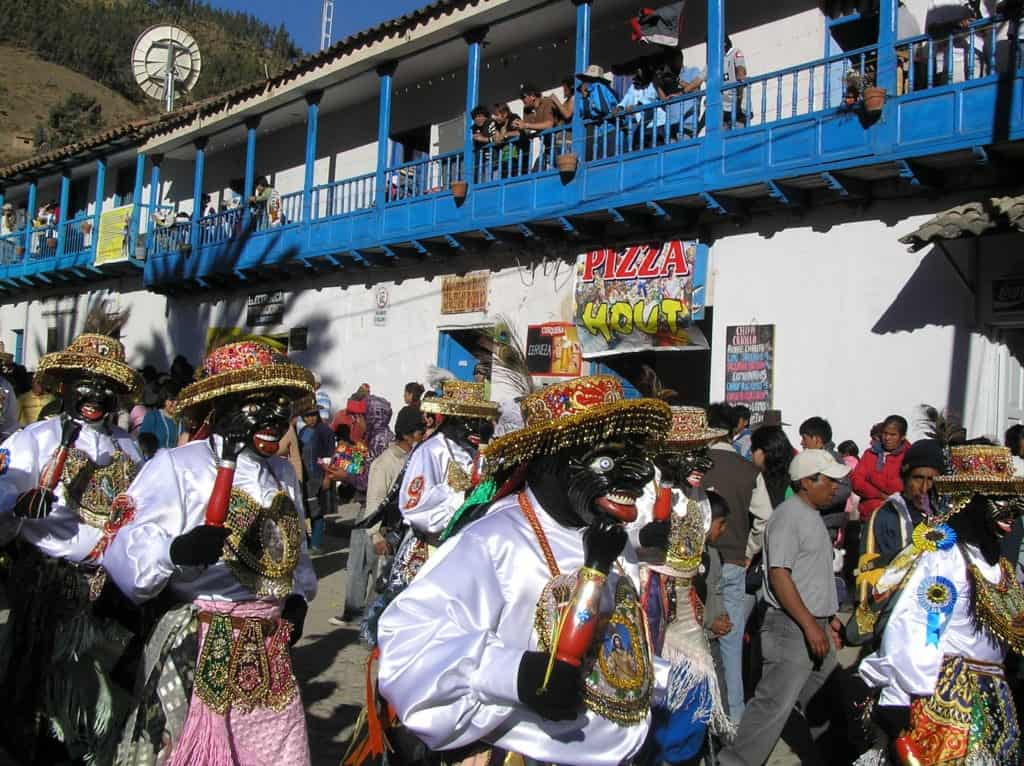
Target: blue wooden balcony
(793,134)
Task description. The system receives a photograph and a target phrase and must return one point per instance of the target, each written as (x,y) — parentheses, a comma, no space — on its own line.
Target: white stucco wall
(863,328)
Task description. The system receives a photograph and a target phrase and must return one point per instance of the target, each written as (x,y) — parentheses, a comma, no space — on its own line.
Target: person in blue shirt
(596,101)
(159,422)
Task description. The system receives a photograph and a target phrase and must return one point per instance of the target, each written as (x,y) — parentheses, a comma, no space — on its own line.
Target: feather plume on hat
(650,385)
(510,367)
(102,320)
(940,426)
(438,375)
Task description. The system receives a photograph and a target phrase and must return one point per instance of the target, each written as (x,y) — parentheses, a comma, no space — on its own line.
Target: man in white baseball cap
(797,638)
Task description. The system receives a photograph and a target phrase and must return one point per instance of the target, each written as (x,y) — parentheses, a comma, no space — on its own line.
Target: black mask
(468,433)
(985,521)
(90,399)
(676,467)
(580,485)
(258,420)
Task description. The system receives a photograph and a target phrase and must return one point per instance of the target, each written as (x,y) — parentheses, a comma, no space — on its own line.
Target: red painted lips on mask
(620,506)
(266,441)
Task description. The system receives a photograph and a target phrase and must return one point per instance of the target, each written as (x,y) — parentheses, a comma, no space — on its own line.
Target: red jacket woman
(878,473)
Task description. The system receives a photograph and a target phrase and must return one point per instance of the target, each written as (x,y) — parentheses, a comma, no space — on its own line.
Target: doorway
(464,350)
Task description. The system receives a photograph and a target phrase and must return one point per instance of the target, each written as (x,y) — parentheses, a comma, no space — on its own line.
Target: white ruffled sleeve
(449,676)
(425,499)
(139,558)
(19,468)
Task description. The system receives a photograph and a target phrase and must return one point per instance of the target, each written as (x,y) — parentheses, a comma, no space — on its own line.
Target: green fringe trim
(484,492)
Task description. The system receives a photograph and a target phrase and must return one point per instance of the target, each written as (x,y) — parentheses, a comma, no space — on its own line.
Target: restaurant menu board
(749,363)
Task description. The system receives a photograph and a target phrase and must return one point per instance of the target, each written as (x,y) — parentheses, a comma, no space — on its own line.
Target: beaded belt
(244,663)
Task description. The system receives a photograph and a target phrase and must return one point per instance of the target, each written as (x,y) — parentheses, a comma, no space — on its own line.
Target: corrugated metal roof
(139,130)
(974,219)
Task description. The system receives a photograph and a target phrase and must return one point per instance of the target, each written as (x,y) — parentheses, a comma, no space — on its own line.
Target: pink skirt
(262,736)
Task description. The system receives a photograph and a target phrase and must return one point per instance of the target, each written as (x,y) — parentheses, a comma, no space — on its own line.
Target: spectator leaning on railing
(735,70)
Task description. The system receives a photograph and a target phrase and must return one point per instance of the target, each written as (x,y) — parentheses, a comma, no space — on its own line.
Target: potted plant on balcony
(566,163)
(459,189)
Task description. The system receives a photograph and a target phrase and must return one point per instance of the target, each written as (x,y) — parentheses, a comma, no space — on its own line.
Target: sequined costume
(947,613)
(451,643)
(216,687)
(58,655)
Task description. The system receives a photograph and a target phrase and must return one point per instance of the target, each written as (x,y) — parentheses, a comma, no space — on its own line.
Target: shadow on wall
(934,295)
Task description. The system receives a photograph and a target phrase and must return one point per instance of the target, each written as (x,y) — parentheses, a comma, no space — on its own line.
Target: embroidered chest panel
(262,550)
(618,674)
(90,488)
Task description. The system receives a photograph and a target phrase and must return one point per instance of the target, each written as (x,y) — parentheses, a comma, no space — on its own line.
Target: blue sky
(302,17)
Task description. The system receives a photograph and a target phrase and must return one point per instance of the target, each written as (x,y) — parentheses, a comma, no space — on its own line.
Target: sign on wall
(381,300)
(264,309)
(553,350)
(749,364)
(464,295)
(641,298)
(112,242)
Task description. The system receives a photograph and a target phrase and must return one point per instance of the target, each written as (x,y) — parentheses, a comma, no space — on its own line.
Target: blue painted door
(19,347)
(454,357)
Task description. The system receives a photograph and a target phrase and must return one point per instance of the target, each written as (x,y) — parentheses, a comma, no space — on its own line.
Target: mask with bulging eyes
(258,420)
(90,399)
(677,468)
(1001,513)
(607,479)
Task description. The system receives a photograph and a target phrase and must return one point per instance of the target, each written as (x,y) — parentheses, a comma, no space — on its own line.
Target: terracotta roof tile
(997,214)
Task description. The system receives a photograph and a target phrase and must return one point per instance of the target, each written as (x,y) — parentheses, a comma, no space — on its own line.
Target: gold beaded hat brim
(56,366)
(978,470)
(296,381)
(648,418)
(457,408)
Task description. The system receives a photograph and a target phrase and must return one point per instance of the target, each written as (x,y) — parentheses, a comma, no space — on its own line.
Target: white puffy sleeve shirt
(170,494)
(906,665)
(23,456)
(426,500)
(451,644)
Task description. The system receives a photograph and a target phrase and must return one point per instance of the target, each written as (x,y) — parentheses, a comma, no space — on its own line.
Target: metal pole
(475,39)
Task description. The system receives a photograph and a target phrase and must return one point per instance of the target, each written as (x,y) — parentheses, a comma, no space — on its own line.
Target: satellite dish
(166,62)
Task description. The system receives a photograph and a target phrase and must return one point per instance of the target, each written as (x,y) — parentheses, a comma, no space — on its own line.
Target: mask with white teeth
(90,399)
(258,420)
(587,484)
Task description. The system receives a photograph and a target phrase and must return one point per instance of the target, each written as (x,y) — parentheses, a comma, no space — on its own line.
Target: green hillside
(94,38)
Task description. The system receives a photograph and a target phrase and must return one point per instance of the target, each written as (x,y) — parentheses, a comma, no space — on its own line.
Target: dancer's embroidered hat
(463,399)
(91,353)
(578,412)
(690,429)
(978,469)
(237,368)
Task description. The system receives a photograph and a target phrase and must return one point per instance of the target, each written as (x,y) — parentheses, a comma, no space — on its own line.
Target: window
(52,340)
(124,189)
(19,347)
(78,198)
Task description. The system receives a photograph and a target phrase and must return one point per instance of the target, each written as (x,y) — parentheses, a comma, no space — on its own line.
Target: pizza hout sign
(640,298)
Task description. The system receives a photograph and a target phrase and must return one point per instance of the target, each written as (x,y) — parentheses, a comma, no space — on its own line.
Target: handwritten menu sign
(749,362)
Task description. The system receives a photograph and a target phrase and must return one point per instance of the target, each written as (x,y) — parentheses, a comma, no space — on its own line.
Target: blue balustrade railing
(77,235)
(799,90)
(170,235)
(655,124)
(420,178)
(12,248)
(345,196)
(960,55)
(220,226)
(43,242)
(531,152)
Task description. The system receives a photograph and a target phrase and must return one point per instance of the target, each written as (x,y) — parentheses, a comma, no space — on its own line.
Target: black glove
(294,611)
(69,431)
(232,447)
(34,504)
(655,534)
(563,698)
(603,541)
(200,547)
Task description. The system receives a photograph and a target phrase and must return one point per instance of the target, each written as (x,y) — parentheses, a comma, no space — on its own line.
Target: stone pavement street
(330,662)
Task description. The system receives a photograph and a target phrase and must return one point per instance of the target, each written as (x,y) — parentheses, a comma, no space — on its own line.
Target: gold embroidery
(686,539)
(1000,607)
(618,674)
(262,550)
(458,478)
(91,488)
